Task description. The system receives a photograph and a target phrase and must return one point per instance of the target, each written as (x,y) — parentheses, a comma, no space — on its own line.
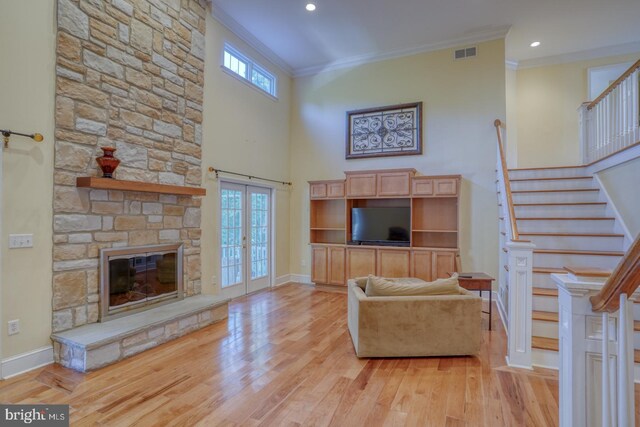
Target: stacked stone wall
(130,74)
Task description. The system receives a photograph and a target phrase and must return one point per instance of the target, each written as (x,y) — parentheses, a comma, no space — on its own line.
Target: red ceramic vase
(107,162)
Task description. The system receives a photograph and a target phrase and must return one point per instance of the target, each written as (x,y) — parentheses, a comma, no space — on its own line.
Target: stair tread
(546,316)
(527,233)
(560,204)
(545,292)
(577,252)
(567,190)
(549,270)
(588,271)
(547,168)
(550,179)
(566,218)
(545,343)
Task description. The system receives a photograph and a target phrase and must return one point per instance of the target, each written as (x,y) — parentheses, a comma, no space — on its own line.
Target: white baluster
(625,364)
(606,394)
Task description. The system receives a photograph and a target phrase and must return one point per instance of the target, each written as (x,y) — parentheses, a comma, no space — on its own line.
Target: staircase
(562,212)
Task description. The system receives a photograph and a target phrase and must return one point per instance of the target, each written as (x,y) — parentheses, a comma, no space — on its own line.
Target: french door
(245,239)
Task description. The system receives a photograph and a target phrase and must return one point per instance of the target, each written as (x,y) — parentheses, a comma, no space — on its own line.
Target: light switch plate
(20,241)
(13,327)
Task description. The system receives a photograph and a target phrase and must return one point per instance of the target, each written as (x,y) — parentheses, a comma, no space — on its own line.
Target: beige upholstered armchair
(409,326)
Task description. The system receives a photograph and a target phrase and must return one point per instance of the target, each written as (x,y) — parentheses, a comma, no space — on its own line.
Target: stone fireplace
(139,278)
(130,75)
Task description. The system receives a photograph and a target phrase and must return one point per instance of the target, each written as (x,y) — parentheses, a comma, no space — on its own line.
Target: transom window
(249,70)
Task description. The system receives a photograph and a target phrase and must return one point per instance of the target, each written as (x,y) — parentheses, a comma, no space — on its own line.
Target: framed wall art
(393,130)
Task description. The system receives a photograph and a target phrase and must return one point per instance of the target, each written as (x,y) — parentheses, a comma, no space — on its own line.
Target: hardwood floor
(285,358)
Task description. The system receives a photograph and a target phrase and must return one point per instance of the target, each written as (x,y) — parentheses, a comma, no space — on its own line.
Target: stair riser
(547,173)
(559,197)
(544,280)
(541,328)
(560,260)
(544,303)
(561,184)
(577,243)
(566,226)
(561,211)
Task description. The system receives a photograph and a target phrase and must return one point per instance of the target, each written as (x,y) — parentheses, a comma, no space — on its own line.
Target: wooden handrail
(507,185)
(613,85)
(625,279)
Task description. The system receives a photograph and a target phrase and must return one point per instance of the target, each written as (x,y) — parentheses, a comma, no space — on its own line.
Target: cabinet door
(318,190)
(443,264)
(393,263)
(421,265)
(361,185)
(336,266)
(445,187)
(394,184)
(319,264)
(360,262)
(335,189)
(422,187)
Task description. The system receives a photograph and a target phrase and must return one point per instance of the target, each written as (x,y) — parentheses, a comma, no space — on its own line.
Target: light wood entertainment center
(433,248)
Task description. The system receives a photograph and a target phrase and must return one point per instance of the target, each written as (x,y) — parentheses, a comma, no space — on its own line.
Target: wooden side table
(478,282)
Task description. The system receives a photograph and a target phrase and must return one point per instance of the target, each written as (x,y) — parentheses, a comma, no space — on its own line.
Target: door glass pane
(231,237)
(259,234)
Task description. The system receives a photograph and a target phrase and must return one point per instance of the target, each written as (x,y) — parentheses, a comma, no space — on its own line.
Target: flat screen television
(381,225)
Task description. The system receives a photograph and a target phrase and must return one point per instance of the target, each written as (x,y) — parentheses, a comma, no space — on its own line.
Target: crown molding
(243,34)
(511,65)
(583,55)
(476,37)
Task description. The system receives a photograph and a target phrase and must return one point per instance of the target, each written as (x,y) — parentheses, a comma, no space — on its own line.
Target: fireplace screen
(135,278)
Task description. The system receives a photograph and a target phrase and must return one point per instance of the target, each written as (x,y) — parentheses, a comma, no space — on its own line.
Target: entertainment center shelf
(426,245)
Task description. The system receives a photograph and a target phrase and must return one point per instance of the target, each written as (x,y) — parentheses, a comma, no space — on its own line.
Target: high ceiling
(346,31)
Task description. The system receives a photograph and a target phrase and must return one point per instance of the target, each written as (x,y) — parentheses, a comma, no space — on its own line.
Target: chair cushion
(380,286)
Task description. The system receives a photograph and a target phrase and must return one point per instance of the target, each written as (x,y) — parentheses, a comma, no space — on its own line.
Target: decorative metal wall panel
(394,130)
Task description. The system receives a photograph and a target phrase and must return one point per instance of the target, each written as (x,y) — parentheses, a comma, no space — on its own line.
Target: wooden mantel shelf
(146,187)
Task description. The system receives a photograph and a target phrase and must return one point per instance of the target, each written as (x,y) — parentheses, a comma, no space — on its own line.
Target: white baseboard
(26,362)
(282,280)
(503,313)
(301,278)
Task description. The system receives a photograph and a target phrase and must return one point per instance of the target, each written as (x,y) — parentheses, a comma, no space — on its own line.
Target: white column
(584,132)
(520,263)
(581,370)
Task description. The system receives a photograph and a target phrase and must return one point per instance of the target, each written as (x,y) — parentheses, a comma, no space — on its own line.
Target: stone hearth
(93,346)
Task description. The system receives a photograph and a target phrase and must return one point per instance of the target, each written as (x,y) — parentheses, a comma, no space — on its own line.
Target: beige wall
(621,183)
(244,131)
(461,101)
(511,133)
(27,75)
(548,98)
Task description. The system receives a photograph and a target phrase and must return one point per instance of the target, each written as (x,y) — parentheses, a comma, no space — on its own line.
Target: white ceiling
(347,31)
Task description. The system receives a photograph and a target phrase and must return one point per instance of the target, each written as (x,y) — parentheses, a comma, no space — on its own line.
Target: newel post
(520,264)
(590,390)
(584,132)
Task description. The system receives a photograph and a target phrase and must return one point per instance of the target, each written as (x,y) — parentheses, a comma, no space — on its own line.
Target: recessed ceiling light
(535,44)
(310,7)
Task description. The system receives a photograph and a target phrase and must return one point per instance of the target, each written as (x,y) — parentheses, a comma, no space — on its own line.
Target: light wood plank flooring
(285,358)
